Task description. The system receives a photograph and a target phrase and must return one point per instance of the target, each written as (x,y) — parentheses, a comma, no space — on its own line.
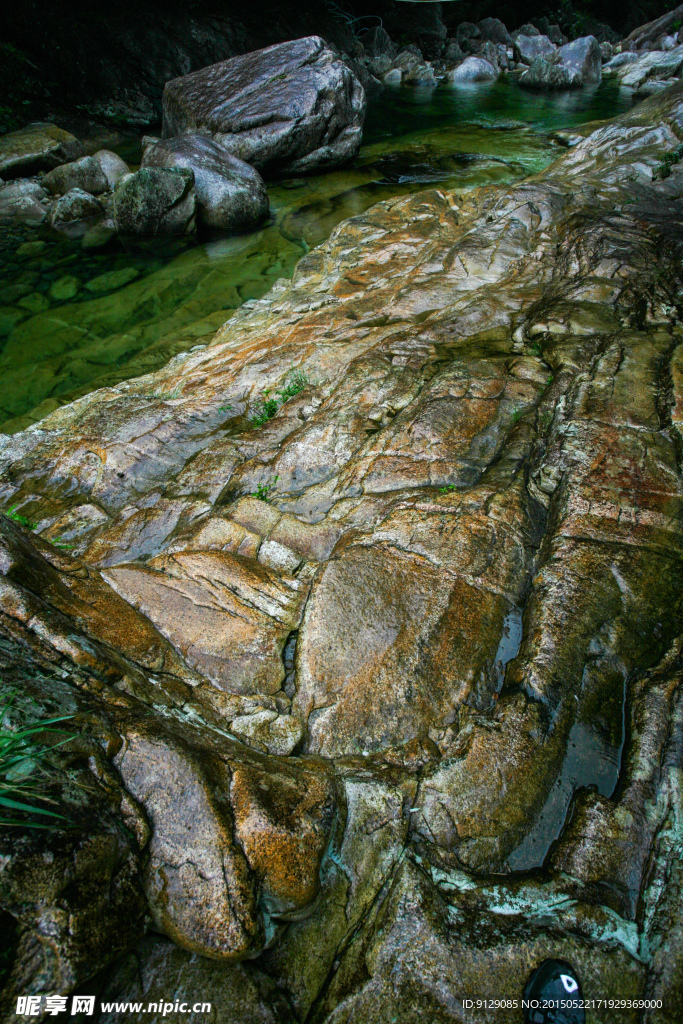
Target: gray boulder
(85,174)
(453,52)
(113,167)
(76,205)
(473,69)
(21,203)
(526,30)
(527,48)
(155,201)
(38,147)
(231,195)
(467,30)
(378,42)
(289,108)
(493,30)
(571,66)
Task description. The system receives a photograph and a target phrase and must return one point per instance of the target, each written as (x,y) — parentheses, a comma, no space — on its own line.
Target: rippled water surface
(72,320)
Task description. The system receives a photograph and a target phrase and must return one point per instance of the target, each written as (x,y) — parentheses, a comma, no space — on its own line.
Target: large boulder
(473,69)
(289,108)
(493,30)
(85,173)
(527,48)
(38,147)
(571,66)
(377,42)
(230,194)
(156,201)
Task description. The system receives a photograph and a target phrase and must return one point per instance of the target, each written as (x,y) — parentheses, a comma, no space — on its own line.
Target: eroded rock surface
(387,685)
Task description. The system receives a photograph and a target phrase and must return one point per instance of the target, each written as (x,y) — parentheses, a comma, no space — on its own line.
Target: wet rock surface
(382,692)
(289,108)
(231,195)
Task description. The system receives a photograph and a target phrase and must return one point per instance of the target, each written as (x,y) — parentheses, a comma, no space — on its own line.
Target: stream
(72,320)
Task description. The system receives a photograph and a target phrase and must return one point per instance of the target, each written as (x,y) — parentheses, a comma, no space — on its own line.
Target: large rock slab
(231,195)
(573,65)
(289,108)
(459,587)
(38,147)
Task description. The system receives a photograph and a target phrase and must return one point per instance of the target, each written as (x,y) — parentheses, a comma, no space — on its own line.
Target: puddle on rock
(72,320)
(591,761)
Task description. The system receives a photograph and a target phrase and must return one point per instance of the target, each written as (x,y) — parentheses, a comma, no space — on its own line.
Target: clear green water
(73,320)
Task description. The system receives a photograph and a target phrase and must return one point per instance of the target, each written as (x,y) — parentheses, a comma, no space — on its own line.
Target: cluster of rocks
(651,57)
(481,52)
(289,108)
(307,755)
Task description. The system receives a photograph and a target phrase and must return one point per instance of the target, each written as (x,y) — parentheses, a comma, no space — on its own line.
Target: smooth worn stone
(31,248)
(85,174)
(526,48)
(289,108)
(113,167)
(155,201)
(75,205)
(473,69)
(571,66)
(65,288)
(112,279)
(38,147)
(231,195)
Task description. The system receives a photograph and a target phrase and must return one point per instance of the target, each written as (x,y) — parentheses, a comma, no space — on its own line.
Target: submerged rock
(346,722)
(231,195)
(571,66)
(21,202)
(155,201)
(38,147)
(289,108)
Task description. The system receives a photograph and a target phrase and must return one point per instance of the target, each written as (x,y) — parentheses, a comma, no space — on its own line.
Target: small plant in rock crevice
(267,405)
(663,170)
(263,491)
(26,773)
(16,517)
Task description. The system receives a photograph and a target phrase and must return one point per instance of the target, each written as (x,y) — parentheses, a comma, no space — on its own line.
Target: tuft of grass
(25,772)
(267,405)
(262,492)
(517,415)
(663,170)
(16,517)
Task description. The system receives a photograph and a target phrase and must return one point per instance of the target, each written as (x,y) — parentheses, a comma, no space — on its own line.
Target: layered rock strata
(382,691)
